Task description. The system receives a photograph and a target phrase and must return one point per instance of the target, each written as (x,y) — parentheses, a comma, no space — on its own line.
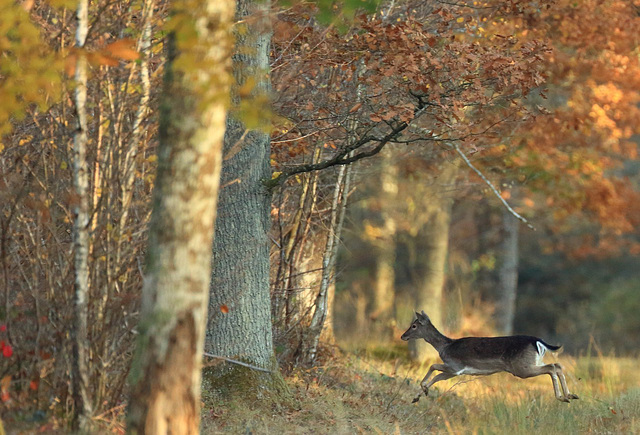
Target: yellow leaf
(275,174)
(63,165)
(460,20)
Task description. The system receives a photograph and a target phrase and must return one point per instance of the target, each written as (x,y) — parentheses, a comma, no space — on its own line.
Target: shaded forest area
(361,160)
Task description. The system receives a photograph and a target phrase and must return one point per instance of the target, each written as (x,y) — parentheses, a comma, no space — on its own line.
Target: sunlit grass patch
(367,393)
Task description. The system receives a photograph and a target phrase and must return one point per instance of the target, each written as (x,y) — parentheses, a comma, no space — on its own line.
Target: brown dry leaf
(356,107)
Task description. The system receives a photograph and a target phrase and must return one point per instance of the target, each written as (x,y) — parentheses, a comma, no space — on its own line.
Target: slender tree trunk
(433,258)
(81,242)
(323,306)
(239,324)
(507,275)
(384,291)
(166,372)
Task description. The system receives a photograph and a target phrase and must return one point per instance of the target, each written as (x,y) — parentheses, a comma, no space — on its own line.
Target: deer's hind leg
(563,383)
(553,370)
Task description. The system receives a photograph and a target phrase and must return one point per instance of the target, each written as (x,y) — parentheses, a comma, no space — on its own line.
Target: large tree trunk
(432,260)
(507,275)
(166,371)
(81,244)
(239,324)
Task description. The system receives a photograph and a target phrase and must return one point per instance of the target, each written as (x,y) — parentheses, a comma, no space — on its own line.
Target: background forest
(361,160)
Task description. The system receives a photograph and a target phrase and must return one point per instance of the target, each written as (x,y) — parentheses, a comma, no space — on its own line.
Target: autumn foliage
(542,97)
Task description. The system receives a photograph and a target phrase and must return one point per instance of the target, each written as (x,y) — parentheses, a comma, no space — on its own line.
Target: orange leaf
(5,382)
(33,385)
(102,59)
(70,64)
(122,49)
(224,309)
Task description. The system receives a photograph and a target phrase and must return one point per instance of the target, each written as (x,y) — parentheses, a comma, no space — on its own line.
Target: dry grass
(371,392)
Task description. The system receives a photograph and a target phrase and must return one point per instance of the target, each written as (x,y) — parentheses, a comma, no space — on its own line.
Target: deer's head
(418,327)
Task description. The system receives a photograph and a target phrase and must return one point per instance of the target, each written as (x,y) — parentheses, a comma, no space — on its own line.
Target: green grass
(366,393)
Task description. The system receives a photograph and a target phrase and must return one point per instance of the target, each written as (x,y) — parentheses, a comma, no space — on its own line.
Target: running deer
(520,355)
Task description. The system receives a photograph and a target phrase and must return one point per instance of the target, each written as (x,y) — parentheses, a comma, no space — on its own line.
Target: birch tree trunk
(433,258)
(323,312)
(166,371)
(507,275)
(239,324)
(79,333)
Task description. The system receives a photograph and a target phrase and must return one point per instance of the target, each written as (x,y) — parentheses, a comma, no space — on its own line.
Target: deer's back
(485,355)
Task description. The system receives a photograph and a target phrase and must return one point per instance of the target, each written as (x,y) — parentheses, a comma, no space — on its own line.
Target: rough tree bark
(166,371)
(80,370)
(239,323)
(433,259)
(507,275)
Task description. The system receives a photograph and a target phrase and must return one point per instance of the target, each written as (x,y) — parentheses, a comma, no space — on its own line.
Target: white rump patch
(542,349)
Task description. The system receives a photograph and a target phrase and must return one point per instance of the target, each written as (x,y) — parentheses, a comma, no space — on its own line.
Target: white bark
(81,241)
(323,307)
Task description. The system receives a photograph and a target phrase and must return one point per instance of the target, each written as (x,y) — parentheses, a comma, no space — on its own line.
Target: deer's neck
(437,339)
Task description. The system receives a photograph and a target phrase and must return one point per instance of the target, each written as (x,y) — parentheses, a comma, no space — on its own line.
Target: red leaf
(7,351)
(224,309)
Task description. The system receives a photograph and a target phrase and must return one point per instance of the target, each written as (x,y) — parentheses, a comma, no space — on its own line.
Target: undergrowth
(370,391)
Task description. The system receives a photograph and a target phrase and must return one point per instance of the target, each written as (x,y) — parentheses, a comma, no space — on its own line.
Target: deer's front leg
(423,384)
(440,377)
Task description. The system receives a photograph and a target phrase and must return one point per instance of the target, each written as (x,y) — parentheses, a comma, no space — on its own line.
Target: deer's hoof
(573,396)
(563,399)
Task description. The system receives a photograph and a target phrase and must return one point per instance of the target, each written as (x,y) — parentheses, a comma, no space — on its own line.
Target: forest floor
(370,391)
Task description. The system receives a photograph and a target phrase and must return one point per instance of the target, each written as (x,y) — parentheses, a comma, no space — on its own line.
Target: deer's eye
(414,326)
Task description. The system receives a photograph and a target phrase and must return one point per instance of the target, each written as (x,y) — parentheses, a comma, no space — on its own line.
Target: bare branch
(346,155)
(491,186)
(235,361)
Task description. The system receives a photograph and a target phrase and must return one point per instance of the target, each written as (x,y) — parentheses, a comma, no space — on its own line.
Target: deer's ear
(420,318)
(424,315)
